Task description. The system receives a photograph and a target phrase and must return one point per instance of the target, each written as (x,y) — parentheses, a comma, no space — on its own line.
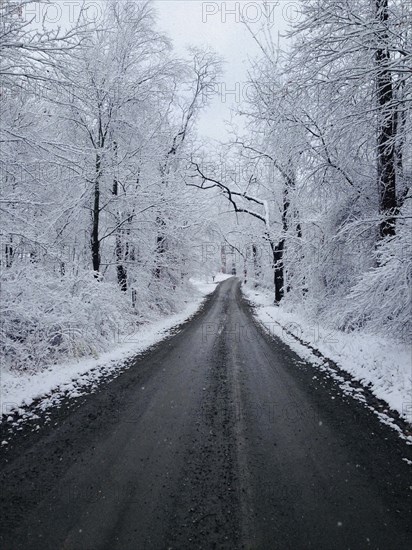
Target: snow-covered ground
(207,286)
(72,379)
(383,365)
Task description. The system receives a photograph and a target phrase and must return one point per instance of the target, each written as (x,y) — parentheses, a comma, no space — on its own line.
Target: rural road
(219,437)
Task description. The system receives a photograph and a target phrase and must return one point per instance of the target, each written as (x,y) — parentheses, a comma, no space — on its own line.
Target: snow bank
(222,277)
(381,364)
(72,379)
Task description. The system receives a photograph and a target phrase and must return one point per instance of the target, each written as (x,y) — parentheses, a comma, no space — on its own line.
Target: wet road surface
(219,437)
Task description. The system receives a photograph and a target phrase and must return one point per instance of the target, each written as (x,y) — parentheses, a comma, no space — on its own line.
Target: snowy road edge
(351,385)
(25,398)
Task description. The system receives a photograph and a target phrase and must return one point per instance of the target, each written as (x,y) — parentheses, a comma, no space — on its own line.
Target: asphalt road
(219,437)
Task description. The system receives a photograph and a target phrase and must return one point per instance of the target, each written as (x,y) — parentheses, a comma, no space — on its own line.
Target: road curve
(219,437)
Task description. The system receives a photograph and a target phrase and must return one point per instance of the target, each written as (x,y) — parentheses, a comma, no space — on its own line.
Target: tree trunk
(95,242)
(278,250)
(121,270)
(160,244)
(386,129)
(279,278)
(256,264)
(121,249)
(9,253)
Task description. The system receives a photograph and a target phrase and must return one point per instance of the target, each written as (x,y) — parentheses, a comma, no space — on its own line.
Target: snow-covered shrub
(47,318)
(381,300)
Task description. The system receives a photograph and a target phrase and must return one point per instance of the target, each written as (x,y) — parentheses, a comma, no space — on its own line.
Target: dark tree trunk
(386,127)
(256,265)
(121,248)
(122,278)
(95,242)
(278,269)
(278,250)
(160,244)
(9,254)
(121,270)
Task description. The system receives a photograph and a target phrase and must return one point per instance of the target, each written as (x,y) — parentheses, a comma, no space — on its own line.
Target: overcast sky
(219,26)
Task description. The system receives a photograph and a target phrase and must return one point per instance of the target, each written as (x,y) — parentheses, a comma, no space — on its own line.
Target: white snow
(382,364)
(72,379)
(222,277)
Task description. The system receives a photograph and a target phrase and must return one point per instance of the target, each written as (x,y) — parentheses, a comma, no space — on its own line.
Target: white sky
(219,26)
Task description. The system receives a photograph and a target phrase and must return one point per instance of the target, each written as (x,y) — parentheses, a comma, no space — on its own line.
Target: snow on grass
(71,379)
(381,364)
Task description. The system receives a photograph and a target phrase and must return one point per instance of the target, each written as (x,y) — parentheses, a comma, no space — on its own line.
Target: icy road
(219,437)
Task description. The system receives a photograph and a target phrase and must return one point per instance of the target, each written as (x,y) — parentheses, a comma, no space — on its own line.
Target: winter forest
(112,202)
(206,268)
